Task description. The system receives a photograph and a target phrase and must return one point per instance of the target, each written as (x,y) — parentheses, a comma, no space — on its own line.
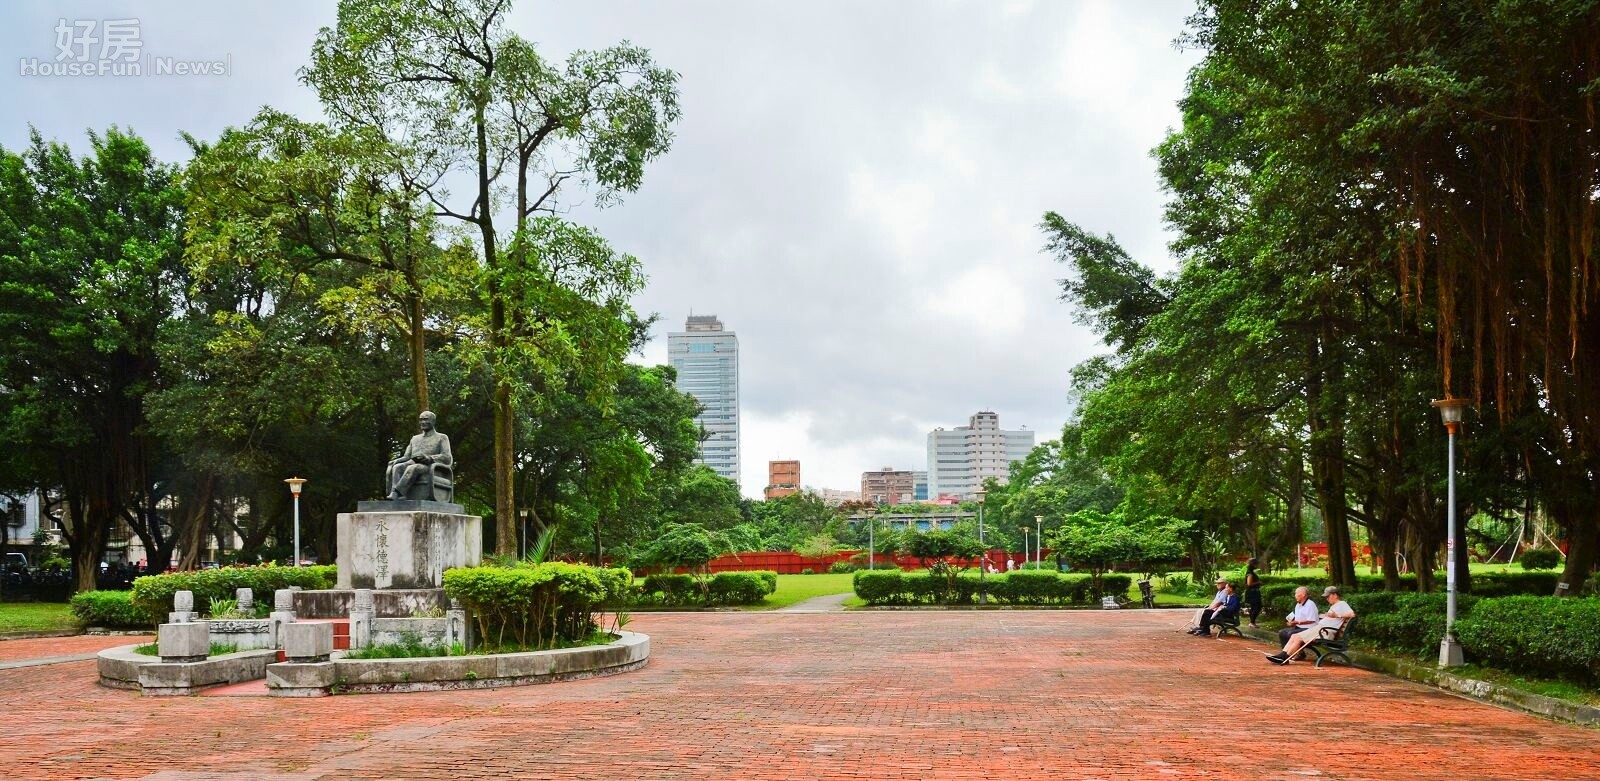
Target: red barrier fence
(788,563)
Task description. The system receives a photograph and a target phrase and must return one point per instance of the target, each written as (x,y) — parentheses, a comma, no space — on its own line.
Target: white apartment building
(707,360)
(960,459)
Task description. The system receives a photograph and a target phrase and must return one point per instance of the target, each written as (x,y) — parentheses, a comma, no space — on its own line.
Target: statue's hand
(422,459)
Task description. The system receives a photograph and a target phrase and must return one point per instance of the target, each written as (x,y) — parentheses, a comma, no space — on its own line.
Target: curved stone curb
(630,651)
(119,666)
(1482,691)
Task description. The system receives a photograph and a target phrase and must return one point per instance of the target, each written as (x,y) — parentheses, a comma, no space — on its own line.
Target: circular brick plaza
(872,695)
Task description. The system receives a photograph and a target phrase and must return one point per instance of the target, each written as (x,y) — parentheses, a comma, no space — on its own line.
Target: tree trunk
(417,342)
(1327,458)
(1582,550)
(91,530)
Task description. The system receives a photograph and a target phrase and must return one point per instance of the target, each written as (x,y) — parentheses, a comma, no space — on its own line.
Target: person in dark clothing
(1228,609)
(1252,590)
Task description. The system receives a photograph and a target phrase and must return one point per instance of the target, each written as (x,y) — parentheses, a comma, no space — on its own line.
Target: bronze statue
(426,469)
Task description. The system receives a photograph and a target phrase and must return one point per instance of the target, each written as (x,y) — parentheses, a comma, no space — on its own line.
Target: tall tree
(446,85)
(90,265)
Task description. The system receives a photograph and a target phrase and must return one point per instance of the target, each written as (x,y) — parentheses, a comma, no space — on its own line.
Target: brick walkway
(896,695)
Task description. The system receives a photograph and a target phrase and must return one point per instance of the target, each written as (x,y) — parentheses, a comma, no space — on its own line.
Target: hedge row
(1023,587)
(534,606)
(111,609)
(153,593)
(1552,636)
(723,588)
(1486,584)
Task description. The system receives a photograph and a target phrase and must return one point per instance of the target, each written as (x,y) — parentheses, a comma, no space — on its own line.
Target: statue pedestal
(405,549)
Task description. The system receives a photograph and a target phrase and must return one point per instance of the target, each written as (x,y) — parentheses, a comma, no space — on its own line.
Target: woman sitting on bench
(1229,609)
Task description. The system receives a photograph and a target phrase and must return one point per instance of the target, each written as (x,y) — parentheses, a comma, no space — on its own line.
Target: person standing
(1252,590)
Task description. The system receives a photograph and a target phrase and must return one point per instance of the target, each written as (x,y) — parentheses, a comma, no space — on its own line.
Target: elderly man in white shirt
(1339,613)
(1216,604)
(1304,615)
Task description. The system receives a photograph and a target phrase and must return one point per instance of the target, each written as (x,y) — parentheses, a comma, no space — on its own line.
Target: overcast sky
(855,187)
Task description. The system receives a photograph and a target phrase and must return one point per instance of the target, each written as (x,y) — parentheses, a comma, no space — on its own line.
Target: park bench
(1226,624)
(1334,643)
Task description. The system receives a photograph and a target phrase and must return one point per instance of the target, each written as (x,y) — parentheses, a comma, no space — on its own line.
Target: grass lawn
(36,617)
(798,588)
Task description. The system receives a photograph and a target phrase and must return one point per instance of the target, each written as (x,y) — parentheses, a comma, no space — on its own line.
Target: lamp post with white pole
(1038,541)
(294,488)
(1451,409)
(872,541)
(983,559)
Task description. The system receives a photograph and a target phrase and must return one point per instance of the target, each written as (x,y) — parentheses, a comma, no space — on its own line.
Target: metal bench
(1333,643)
(1226,624)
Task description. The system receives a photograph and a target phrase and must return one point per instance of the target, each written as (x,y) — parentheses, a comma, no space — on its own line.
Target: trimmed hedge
(724,588)
(1540,558)
(1553,636)
(1407,623)
(1484,584)
(1022,587)
(112,609)
(153,593)
(533,606)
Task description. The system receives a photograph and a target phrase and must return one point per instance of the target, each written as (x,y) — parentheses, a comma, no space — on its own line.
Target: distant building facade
(889,486)
(707,359)
(783,479)
(960,459)
(833,497)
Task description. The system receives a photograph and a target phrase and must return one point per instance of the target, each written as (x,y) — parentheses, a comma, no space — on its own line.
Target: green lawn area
(36,617)
(798,588)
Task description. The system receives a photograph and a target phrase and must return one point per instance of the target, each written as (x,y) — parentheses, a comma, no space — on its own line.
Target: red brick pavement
(40,647)
(898,695)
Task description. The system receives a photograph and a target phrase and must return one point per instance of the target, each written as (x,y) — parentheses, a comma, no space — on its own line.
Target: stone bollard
(282,614)
(455,625)
(188,641)
(246,601)
(361,615)
(307,642)
(182,608)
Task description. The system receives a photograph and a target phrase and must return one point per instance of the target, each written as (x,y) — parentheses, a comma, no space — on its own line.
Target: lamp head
(294,484)
(1451,410)
(980,494)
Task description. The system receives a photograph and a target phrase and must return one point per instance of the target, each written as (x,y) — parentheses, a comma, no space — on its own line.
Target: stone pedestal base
(407,549)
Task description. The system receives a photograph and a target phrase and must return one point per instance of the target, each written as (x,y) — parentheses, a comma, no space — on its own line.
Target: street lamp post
(872,542)
(1038,542)
(983,559)
(294,489)
(1025,557)
(1451,409)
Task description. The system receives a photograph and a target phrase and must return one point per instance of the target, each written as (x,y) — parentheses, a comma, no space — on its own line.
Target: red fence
(787,563)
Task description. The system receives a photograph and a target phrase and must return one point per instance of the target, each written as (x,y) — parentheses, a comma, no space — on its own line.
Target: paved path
(35,648)
(879,695)
(827,603)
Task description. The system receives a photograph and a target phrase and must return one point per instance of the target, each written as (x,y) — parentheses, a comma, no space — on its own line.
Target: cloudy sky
(855,187)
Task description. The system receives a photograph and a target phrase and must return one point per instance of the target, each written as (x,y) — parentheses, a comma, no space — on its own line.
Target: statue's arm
(444,456)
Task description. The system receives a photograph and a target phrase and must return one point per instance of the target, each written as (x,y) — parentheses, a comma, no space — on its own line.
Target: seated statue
(424,470)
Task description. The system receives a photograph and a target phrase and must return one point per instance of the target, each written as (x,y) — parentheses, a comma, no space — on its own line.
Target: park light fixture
(1451,410)
(872,540)
(1038,541)
(983,558)
(294,489)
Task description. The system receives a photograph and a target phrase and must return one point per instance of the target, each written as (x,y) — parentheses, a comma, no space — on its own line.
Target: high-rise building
(833,497)
(888,486)
(783,479)
(960,459)
(707,360)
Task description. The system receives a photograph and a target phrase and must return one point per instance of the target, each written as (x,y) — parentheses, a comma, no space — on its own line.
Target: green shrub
(737,588)
(1277,599)
(842,568)
(670,588)
(1415,625)
(113,609)
(808,571)
(153,593)
(769,577)
(1540,558)
(1176,583)
(1511,584)
(535,605)
(1553,636)
(880,587)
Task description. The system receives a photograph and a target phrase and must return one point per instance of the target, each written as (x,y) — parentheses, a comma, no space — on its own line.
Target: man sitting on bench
(1228,610)
(1304,615)
(1338,614)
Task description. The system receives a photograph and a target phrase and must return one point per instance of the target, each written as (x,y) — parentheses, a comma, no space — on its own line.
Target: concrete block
(180,678)
(246,600)
(297,679)
(405,550)
(183,602)
(184,642)
(304,642)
